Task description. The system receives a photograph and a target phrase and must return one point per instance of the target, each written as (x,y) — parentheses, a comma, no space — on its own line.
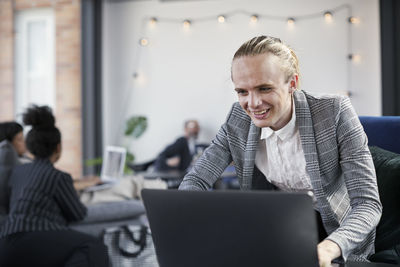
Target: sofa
(383,138)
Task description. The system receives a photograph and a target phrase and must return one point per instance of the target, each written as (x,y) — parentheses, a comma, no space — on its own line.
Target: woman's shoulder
(8,155)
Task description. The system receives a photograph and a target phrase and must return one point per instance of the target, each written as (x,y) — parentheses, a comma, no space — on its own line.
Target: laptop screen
(113,163)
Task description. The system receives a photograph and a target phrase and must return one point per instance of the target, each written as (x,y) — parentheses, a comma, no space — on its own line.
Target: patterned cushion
(387,166)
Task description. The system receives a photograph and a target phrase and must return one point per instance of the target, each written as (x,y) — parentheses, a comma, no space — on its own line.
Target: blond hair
(267,44)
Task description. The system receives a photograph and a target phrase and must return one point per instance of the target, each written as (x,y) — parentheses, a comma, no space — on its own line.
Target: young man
(279,137)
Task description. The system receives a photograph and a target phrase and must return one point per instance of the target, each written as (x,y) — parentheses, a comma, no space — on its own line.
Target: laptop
(112,168)
(232,228)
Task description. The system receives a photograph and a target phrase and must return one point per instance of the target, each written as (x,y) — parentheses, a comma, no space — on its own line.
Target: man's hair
(267,44)
(187,122)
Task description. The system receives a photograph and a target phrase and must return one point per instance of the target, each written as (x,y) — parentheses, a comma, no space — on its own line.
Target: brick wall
(6,60)
(68,73)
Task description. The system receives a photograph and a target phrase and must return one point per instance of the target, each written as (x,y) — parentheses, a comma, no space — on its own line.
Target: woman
(12,150)
(42,203)
(12,132)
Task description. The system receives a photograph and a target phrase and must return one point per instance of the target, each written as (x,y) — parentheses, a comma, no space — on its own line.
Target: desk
(173,178)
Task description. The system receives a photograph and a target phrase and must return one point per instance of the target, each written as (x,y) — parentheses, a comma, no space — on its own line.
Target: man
(279,137)
(179,155)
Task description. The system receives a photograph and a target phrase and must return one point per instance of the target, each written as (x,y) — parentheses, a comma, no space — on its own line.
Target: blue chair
(383,138)
(383,131)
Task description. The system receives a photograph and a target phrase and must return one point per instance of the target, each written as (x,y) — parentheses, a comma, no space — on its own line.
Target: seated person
(12,150)
(12,133)
(42,203)
(282,138)
(179,155)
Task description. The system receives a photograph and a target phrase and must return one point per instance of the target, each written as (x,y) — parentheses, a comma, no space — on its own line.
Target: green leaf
(129,157)
(94,162)
(136,126)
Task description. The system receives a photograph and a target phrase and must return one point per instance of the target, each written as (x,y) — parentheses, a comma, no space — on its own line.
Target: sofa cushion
(387,166)
(113,211)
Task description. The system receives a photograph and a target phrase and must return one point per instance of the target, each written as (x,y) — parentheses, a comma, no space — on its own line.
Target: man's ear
(294,81)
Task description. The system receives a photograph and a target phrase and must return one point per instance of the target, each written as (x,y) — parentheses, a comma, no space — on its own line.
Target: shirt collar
(284,133)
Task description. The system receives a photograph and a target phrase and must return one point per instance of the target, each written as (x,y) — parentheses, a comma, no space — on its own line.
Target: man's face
(263,91)
(192,129)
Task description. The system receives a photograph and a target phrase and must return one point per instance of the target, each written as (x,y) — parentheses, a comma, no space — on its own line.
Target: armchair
(383,138)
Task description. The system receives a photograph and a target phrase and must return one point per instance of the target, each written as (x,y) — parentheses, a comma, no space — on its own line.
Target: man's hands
(327,251)
(174,161)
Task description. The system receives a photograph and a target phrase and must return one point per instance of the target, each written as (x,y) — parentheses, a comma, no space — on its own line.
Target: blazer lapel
(305,125)
(250,155)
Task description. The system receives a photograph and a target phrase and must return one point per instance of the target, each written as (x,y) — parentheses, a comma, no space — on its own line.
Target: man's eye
(241,92)
(264,89)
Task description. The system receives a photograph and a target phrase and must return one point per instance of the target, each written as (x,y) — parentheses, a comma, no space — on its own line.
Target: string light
(290,21)
(221,19)
(254,18)
(144,42)
(139,78)
(153,21)
(186,24)
(354,20)
(328,16)
(356,58)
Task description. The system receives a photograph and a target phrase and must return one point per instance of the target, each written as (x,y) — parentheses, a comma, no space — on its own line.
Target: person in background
(179,155)
(12,133)
(283,138)
(42,203)
(12,153)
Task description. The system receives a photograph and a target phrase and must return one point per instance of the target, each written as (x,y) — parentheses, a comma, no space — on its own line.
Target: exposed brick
(67,14)
(6,61)
(68,77)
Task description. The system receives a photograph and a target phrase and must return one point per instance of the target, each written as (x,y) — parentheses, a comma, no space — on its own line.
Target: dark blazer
(42,198)
(8,159)
(338,162)
(179,148)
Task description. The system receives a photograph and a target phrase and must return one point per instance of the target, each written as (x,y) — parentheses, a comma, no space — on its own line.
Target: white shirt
(280,157)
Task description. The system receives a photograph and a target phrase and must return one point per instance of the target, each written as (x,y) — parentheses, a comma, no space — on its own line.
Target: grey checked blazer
(338,162)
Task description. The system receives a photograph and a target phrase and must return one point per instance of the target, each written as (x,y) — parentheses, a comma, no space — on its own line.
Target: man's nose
(254,100)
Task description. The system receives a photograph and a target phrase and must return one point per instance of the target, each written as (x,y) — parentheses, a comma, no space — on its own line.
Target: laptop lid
(113,163)
(232,228)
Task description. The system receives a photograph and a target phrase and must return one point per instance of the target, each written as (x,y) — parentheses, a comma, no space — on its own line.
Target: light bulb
(186,24)
(354,20)
(290,21)
(254,18)
(143,42)
(221,19)
(328,16)
(153,21)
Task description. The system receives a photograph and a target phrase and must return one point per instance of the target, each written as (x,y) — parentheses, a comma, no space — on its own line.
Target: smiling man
(282,138)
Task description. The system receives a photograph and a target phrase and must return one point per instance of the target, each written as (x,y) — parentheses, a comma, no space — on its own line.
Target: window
(34,59)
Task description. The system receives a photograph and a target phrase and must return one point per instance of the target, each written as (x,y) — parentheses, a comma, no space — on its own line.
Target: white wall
(186,74)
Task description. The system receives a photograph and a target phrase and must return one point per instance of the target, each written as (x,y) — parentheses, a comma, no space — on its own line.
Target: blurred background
(100,63)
